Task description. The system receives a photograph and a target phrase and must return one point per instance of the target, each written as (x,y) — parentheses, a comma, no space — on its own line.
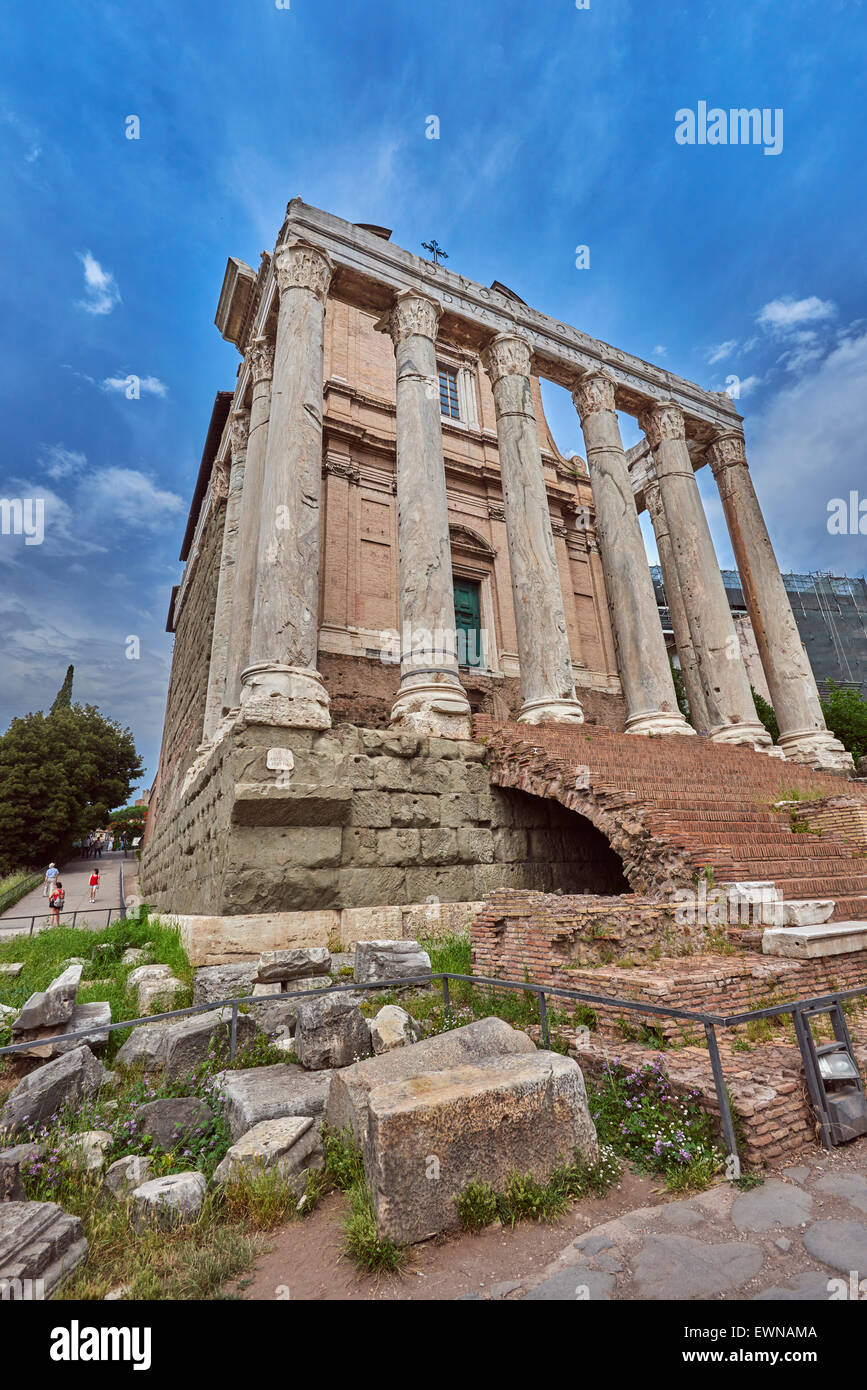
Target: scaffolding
(831,614)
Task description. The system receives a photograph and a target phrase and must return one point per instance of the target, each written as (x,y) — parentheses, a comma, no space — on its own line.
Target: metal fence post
(543,1018)
(728,1127)
(233,1035)
(447,999)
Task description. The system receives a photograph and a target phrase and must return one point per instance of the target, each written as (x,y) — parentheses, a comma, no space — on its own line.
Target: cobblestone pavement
(801,1235)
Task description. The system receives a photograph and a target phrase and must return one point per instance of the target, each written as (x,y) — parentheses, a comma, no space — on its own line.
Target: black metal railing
(709,1022)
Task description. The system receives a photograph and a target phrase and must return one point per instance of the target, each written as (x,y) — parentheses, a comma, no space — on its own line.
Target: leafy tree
(679,689)
(845,714)
(60,775)
(63,698)
(766,715)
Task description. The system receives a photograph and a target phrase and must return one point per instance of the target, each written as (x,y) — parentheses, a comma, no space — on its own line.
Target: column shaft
(281,684)
(431,698)
(679,621)
(222,633)
(547,682)
(804,736)
(642,659)
(730,707)
(261,358)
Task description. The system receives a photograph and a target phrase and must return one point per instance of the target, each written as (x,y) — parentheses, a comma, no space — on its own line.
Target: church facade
(385,538)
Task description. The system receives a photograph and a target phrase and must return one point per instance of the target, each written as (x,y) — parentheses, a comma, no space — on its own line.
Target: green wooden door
(468,622)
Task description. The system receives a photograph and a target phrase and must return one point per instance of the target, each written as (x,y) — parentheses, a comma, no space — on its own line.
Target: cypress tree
(63,699)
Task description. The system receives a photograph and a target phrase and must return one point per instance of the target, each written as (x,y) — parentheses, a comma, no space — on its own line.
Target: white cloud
(131,497)
(100,287)
(787,314)
(721,351)
(748,383)
(806,446)
(660,351)
(60,462)
(132,384)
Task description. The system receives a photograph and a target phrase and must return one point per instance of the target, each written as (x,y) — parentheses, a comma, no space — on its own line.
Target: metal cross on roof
(436,251)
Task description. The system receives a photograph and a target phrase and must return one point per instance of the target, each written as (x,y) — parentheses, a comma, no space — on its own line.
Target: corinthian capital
(508,354)
(662,420)
(238,430)
(261,357)
(726,451)
(593,393)
(653,502)
(412,313)
(299,265)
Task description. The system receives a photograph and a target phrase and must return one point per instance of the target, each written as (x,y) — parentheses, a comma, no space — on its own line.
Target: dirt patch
(305,1261)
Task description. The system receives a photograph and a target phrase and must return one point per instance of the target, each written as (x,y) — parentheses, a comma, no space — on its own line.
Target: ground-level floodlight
(832,1075)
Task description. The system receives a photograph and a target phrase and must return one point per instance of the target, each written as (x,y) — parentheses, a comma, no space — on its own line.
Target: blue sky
(557,129)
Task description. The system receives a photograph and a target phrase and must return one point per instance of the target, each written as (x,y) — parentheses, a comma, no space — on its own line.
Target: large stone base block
(229,940)
(551,712)
(654,723)
(440,709)
(750,735)
(522,1114)
(290,697)
(819,749)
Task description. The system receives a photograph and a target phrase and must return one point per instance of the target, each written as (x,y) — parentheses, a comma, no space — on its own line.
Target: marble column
(260,358)
(642,660)
(547,683)
(431,698)
(222,633)
(731,711)
(674,598)
(804,736)
(281,685)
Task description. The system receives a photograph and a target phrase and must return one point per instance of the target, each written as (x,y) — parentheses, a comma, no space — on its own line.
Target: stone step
(811,943)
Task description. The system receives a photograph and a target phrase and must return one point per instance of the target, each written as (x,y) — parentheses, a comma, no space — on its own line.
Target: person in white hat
(50,878)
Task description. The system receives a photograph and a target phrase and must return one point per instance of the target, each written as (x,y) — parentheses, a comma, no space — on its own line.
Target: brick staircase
(707,803)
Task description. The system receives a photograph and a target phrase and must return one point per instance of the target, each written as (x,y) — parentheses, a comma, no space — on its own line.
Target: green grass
(13,887)
(104,978)
(524,1198)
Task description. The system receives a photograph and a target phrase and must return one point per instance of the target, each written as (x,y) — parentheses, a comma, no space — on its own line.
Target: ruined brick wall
(845,817)
(369,818)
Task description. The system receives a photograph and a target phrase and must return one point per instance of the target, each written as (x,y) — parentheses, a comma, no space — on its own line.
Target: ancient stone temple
(385,542)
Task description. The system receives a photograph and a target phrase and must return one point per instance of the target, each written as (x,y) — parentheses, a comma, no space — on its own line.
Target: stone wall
(365,819)
(188,687)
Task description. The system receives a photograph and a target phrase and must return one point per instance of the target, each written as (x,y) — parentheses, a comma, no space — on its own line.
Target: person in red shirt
(55,902)
(94,884)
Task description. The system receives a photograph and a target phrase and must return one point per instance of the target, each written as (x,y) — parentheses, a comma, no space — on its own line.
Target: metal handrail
(710,1022)
(41,916)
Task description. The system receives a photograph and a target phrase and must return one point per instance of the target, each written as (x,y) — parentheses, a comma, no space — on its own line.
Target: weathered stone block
(458,809)
(359,847)
(291,1145)
(87,1149)
(810,943)
(393,1027)
(172,1120)
(475,1043)
(392,775)
(190,1041)
(270,1093)
(89,1023)
(371,887)
(410,809)
(226,940)
(298,963)
(144,1049)
(168,1202)
(38,1241)
(41,1094)
(126,1174)
(371,810)
(475,845)
(397,847)
(331,1032)
(389,960)
(214,983)
(53,1006)
(439,846)
(525,1114)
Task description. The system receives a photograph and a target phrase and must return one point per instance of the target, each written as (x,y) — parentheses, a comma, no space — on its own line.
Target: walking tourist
(94,884)
(55,903)
(50,879)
